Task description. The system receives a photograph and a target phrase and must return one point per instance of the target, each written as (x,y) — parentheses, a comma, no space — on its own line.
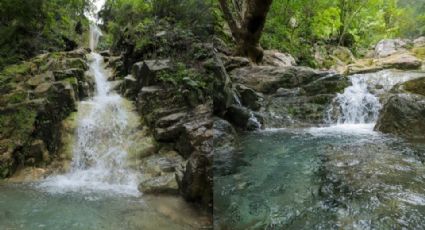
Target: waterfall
(95,34)
(360,103)
(356,104)
(102,138)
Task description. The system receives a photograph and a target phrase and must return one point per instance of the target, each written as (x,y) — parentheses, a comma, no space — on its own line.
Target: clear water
(24,207)
(339,177)
(344,176)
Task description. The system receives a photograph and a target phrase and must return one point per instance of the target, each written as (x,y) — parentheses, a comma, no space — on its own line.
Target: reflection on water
(339,177)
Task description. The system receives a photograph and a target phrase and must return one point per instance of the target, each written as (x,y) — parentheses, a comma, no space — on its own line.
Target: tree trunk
(247,31)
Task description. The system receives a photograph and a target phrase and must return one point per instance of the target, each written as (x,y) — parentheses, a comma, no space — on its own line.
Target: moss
(292,111)
(17,97)
(75,63)
(416,86)
(69,125)
(18,124)
(18,69)
(321,99)
(419,52)
(72,80)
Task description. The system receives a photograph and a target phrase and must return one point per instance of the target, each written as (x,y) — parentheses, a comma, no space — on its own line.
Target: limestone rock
(159,185)
(404,61)
(387,47)
(267,79)
(276,58)
(419,42)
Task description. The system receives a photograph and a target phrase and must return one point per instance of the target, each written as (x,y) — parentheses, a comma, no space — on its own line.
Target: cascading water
(95,34)
(102,139)
(359,103)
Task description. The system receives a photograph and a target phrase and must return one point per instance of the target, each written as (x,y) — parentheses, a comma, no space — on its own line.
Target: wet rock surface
(283,96)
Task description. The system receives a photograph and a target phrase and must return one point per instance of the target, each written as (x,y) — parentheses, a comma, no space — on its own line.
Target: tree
(246,20)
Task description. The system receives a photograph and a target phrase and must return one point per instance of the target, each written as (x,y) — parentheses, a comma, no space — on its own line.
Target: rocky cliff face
(174,104)
(36,98)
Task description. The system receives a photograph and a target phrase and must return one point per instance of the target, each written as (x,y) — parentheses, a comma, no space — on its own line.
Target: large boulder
(276,58)
(146,72)
(159,185)
(403,115)
(267,79)
(249,98)
(404,61)
(225,143)
(419,42)
(400,60)
(388,47)
(234,62)
(404,112)
(243,117)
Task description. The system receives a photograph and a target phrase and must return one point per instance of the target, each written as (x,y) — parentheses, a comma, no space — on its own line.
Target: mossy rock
(419,52)
(15,97)
(23,68)
(17,123)
(76,63)
(68,127)
(416,86)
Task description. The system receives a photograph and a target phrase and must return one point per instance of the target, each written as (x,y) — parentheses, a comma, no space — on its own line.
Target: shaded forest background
(30,27)
(296,26)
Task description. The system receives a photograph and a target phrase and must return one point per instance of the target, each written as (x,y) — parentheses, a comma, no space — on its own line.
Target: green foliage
(295,26)
(28,27)
(137,18)
(326,24)
(182,75)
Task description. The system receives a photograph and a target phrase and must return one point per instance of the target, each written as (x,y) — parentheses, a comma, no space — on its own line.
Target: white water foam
(344,130)
(102,139)
(356,104)
(358,107)
(359,103)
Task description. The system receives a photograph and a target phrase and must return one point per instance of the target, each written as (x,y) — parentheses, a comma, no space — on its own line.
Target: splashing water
(359,103)
(104,129)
